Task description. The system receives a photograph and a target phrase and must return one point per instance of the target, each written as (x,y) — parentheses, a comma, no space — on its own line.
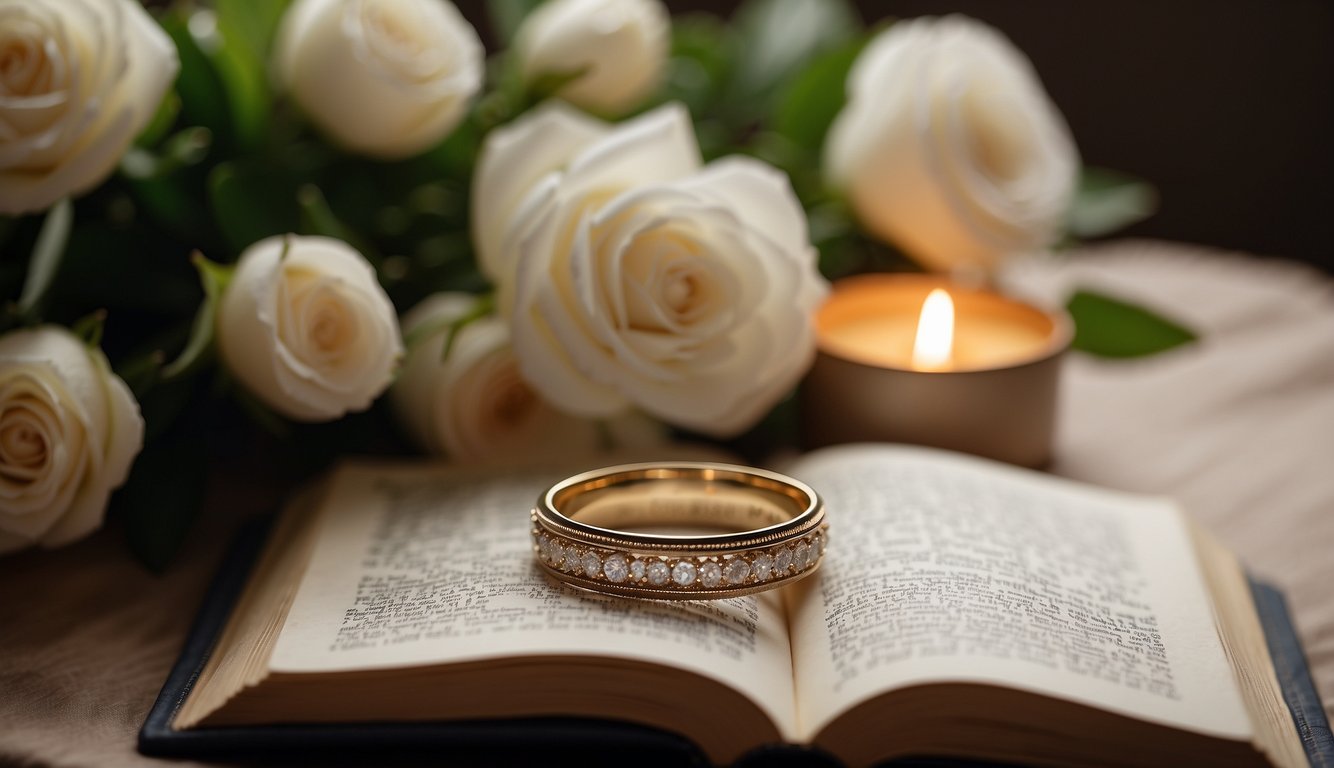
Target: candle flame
(934,346)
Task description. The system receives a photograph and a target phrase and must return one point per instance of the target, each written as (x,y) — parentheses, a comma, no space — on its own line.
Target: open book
(963,608)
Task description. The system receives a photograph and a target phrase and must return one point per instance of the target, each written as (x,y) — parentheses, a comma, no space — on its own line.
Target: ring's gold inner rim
(741,501)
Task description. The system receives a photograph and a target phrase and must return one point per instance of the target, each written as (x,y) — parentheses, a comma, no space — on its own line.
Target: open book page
(945,568)
(419,565)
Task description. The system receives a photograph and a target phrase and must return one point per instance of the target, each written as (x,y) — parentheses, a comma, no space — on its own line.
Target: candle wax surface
(979,342)
(872,319)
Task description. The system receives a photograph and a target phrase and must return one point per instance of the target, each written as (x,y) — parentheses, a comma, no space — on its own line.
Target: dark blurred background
(1226,106)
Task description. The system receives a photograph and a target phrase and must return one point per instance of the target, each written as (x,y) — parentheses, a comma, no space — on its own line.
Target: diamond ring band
(618,530)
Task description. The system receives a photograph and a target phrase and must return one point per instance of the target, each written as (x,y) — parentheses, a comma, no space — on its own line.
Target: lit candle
(933,346)
(913,358)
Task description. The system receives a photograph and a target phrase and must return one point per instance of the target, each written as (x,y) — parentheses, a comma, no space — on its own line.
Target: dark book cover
(550,740)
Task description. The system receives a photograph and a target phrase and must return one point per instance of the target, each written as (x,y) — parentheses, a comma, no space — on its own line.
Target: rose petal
(342,63)
(124,427)
(122,65)
(651,149)
(874,100)
(544,359)
(123,438)
(90,430)
(621,44)
(717,401)
(23,444)
(72,370)
(495,414)
(82,516)
(256,309)
(295,27)
(418,388)
(949,146)
(32,508)
(512,160)
(758,194)
(22,192)
(708,224)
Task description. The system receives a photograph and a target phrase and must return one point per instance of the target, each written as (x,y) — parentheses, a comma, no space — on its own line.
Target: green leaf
(47,253)
(186,148)
(507,16)
(547,84)
(204,99)
(779,37)
(245,28)
(132,271)
(700,64)
(808,106)
(141,372)
(1108,201)
(248,95)
(167,196)
(89,328)
(507,92)
(163,405)
(1110,327)
(482,307)
(164,495)
(250,204)
(780,151)
(214,278)
(163,119)
(250,25)
(317,218)
(261,414)
(455,156)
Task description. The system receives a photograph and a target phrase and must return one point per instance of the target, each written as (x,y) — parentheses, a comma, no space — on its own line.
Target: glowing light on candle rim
(934,345)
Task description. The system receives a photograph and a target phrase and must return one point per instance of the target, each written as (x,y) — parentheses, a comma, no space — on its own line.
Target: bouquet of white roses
(615,224)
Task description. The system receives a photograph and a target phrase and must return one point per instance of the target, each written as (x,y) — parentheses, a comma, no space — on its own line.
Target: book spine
(1294,676)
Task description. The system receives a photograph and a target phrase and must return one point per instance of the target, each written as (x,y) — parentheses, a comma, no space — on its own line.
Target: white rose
(69,431)
(634,276)
(78,81)
(475,406)
(513,160)
(620,45)
(310,332)
(386,78)
(949,147)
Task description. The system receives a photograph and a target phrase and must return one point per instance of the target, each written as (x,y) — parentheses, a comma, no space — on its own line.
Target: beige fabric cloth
(1238,427)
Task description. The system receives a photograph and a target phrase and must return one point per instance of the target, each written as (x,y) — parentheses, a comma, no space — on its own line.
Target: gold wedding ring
(772,530)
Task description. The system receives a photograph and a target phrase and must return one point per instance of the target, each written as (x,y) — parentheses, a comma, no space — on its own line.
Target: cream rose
(69,431)
(620,46)
(950,148)
(306,328)
(474,405)
(78,81)
(632,275)
(386,78)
